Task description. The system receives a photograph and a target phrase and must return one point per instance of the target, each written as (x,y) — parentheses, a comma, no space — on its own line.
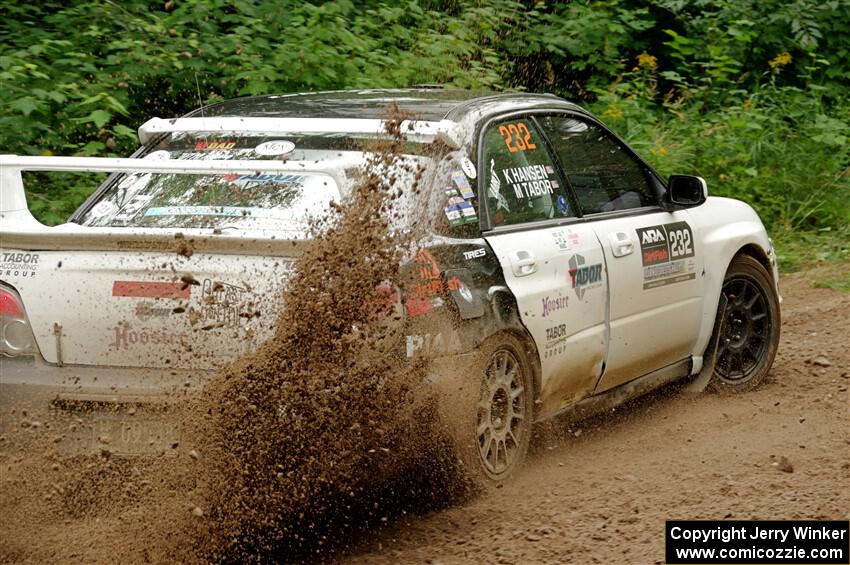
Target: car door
(552,263)
(654,261)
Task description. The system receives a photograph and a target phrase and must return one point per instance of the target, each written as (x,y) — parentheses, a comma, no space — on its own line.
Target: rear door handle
(622,243)
(523,263)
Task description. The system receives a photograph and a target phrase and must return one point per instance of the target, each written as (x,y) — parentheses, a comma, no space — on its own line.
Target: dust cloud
(325,430)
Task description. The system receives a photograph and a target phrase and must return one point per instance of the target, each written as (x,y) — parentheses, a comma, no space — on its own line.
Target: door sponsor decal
(223,304)
(147,310)
(667,253)
(151,289)
(556,338)
(565,240)
(584,277)
(554,304)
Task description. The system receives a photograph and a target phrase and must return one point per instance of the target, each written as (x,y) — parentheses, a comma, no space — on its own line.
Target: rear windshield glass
(319,169)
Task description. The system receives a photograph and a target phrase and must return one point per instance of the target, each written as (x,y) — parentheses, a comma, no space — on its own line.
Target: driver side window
(603,175)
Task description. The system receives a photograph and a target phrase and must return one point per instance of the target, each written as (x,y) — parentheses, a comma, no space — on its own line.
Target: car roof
(430,104)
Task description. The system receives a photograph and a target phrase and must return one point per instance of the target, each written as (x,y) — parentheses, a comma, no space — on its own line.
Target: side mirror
(687,190)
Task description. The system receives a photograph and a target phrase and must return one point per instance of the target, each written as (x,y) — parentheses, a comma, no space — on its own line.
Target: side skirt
(607,400)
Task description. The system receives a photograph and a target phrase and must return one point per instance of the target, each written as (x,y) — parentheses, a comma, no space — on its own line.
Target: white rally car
(582,276)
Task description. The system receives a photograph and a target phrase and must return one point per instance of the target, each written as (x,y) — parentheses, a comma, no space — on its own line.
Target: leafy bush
(751,94)
(775,148)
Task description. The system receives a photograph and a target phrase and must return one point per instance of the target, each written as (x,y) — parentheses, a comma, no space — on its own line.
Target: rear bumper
(87,410)
(34,377)
(129,411)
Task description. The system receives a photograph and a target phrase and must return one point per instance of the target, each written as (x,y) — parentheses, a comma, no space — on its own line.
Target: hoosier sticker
(667,253)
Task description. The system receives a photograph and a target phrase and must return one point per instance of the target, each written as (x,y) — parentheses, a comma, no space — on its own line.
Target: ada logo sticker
(583,276)
(275,147)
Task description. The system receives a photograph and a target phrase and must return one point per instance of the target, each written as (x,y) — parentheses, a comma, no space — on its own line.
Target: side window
(521,182)
(603,175)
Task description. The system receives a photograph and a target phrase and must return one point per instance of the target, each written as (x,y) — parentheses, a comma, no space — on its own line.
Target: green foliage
(775,148)
(825,253)
(751,94)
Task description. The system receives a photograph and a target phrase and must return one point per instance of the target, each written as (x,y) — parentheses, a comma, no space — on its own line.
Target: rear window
(254,200)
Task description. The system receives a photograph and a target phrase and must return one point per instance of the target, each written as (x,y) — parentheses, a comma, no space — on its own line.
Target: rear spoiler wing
(418,131)
(13,200)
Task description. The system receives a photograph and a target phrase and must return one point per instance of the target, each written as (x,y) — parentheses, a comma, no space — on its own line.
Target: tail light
(15,332)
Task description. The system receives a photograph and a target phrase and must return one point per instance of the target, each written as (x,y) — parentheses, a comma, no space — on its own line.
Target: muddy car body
(554,253)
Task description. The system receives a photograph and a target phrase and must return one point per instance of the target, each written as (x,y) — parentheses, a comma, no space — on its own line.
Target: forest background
(753,95)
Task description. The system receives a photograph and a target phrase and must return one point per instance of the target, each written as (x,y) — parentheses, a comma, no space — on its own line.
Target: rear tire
(497,429)
(751,325)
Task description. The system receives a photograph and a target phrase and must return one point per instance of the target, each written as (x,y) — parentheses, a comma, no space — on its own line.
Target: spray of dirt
(325,430)
(316,431)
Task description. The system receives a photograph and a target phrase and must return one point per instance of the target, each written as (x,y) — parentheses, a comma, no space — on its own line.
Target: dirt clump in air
(323,427)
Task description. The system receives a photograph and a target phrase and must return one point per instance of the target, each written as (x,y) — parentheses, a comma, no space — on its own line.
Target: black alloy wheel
(749,335)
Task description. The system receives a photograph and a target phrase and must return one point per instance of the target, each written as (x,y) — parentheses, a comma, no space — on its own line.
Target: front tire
(751,326)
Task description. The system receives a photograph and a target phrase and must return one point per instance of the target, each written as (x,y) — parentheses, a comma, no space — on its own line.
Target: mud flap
(709,358)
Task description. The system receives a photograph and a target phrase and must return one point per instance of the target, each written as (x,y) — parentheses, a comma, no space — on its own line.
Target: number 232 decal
(680,243)
(517,137)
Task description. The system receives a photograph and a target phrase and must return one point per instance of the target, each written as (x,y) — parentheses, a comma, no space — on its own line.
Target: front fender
(726,227)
